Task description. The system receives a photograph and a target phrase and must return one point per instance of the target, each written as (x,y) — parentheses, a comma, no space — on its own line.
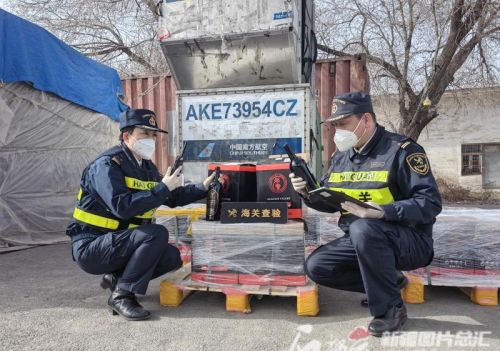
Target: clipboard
(330,200)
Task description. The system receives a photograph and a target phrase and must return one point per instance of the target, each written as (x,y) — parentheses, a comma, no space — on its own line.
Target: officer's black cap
(348,104)
(140,118)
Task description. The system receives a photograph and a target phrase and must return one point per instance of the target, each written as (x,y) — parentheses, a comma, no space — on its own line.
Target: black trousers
(135,255)
(366,260)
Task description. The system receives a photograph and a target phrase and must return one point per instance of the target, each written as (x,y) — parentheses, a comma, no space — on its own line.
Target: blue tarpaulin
(30,53)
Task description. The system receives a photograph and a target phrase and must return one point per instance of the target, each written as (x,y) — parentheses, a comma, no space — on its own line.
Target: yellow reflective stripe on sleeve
(380,196)
(133,225)
(95,220)
(147,215)
(367,176)
(137,184)
(79,195)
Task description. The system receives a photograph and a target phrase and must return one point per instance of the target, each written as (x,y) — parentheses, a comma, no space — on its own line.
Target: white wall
(466,117)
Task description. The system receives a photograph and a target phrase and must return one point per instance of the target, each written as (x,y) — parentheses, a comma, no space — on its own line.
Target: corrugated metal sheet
(336,76)
(158,94)
(333,76)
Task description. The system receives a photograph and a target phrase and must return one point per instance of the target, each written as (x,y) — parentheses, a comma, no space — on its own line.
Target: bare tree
(121,33)
(416,48)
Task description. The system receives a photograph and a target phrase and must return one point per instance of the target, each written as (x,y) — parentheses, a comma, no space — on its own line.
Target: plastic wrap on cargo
(466,248)
(179,231)
(466,245)
(248,254)
(321,227)
(178,223)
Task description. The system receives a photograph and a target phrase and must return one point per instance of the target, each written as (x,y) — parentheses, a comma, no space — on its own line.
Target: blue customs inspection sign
(254,212)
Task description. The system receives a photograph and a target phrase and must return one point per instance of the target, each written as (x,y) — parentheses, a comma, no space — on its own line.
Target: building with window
(463,142)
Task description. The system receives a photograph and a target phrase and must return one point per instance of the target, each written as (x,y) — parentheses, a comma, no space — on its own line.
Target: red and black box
(239,183)
(274,185)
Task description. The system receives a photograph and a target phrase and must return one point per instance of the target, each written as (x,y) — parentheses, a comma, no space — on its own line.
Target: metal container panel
(242,60)
(258,43)
(189,19)
(333,77)
(155,93)
(242,125)
(159,94)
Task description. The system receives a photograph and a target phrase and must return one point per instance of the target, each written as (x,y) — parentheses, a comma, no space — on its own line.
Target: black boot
(391,321)
(109,281)
(124,303)
(402,281)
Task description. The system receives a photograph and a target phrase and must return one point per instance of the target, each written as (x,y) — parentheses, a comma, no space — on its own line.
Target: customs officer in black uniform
(392,173)
(112,231)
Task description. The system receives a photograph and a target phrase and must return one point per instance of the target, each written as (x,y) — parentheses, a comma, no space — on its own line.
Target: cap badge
(334,107)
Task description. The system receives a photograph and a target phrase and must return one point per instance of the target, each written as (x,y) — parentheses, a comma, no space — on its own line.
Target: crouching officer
(392,173)
(111,231)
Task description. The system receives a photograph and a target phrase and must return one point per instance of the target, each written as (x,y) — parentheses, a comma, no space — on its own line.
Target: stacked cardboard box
(267,182)
(273,185)
(257,254)
(466,245)
(239,182)
(178,223)
(467,248)
(320,228)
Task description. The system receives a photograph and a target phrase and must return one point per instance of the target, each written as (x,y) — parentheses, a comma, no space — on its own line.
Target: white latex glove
(361,212)
(208,180)
(172,181)
(299,184)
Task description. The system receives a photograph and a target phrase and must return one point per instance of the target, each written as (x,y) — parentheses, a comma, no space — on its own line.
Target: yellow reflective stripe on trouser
(380,196)
(147,215)
(368,176)
(137,184)
(79,195)
(95,220)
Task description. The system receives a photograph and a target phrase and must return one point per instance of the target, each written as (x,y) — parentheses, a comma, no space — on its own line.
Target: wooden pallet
(481,295)
(175,288)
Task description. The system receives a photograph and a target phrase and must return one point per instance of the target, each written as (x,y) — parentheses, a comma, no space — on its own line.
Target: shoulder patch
(418,163)
(404,145)
(116,160)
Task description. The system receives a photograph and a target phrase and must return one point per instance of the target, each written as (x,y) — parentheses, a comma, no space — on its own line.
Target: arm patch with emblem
(418,163)
(116,160)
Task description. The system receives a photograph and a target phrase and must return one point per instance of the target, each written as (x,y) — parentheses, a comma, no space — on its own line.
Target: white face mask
(145,148)
(345,139)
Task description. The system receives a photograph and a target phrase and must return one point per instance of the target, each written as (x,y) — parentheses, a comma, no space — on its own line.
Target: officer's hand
(361,212)
(172,181)
(208,180)
(299,184)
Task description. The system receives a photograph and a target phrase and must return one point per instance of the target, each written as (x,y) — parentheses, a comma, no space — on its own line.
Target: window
(471,159)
